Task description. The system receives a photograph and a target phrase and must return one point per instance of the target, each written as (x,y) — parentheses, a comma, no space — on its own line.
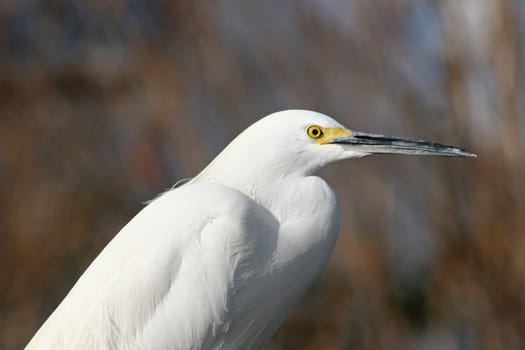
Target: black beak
(373,143)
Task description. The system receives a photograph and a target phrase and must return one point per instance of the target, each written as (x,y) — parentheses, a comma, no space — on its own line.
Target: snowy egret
(218,262)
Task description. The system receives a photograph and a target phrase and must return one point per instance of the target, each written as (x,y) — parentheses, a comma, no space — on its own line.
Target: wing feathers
(167,279)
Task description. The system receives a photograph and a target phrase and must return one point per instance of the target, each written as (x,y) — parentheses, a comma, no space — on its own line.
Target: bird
(218,261)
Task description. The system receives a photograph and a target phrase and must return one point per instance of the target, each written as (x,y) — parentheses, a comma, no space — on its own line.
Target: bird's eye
(314,132)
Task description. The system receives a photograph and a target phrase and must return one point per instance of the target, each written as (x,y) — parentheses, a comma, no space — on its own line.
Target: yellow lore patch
(331,133)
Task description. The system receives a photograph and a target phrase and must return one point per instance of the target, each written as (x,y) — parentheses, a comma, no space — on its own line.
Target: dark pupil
(315,132)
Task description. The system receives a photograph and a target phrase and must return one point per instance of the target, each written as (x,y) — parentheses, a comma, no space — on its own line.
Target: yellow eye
(314,132)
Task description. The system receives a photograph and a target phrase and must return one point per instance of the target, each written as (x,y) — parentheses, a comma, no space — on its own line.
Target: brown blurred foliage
(103,104)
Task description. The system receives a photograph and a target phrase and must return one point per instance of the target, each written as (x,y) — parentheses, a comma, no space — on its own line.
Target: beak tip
(467,154)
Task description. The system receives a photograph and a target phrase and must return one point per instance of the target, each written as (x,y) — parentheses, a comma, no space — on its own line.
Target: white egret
(218,262)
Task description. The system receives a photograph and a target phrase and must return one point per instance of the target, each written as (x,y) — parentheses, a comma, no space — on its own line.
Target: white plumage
(219,262)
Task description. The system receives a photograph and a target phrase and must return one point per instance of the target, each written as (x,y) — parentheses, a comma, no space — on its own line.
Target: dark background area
(103,104)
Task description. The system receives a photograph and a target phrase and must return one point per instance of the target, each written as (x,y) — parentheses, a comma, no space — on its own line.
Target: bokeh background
(103,104)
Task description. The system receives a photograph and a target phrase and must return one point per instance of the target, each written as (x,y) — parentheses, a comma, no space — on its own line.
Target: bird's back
(169,277)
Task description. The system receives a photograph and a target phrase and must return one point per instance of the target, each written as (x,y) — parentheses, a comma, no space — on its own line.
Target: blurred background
(103,104)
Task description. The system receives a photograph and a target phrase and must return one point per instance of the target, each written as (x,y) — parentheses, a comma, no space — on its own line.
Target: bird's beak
(373,143)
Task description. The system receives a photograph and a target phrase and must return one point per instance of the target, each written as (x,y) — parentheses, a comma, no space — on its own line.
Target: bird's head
(301,142)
